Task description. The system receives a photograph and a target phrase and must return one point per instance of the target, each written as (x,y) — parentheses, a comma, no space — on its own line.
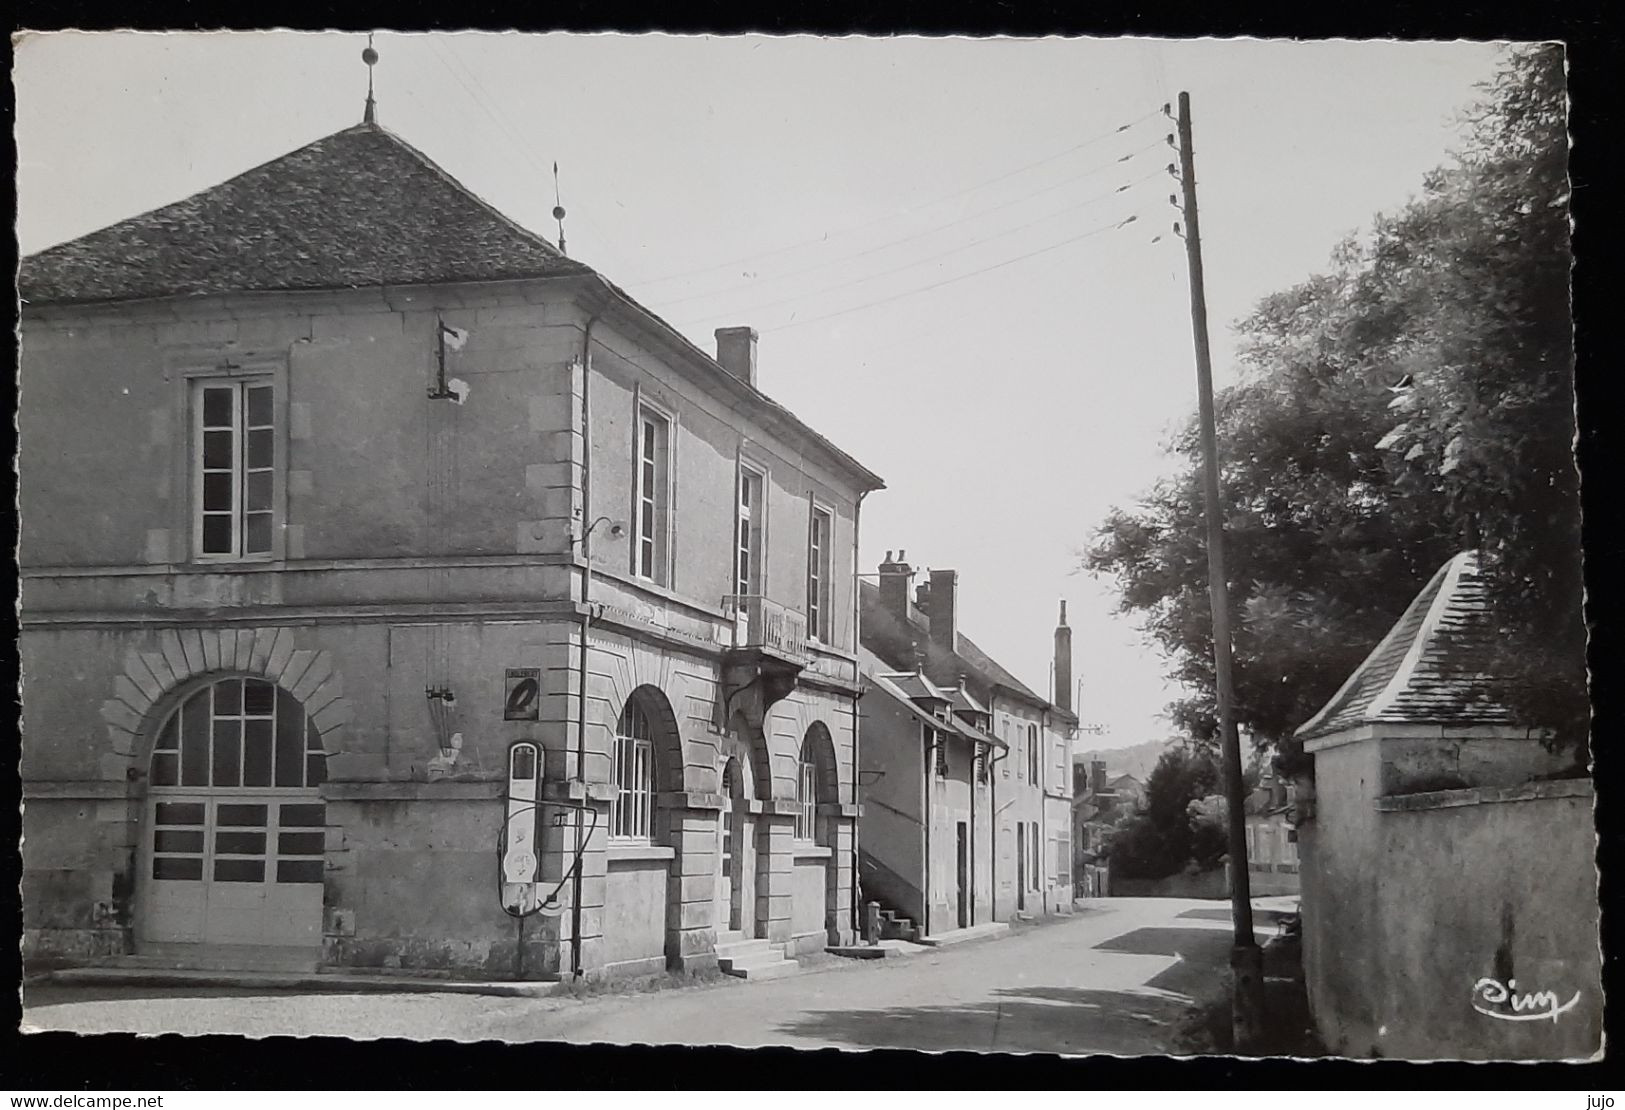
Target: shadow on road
(1022,1019)
(1163,941)
(1262,915)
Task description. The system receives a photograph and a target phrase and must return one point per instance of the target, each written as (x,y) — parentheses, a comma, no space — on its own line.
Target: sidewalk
(340,982)
(317,982)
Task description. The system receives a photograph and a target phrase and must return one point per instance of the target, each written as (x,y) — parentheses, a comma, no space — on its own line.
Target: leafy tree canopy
(1415,399)
(1159,841)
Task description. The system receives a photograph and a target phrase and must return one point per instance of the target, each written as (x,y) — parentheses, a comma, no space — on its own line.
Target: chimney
(1063,663)
(895,578)
(1097,776)
(942,608)
(736,351)
(922,597)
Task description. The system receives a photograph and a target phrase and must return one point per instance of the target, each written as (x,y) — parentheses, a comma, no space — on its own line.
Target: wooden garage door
(235,830)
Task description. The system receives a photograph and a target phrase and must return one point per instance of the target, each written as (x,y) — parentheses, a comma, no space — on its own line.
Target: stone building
(1447,855)
(1028,778)
(398,592)
(927,829)
(1100,803)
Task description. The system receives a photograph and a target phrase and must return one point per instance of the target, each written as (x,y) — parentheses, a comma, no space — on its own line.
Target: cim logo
(1502,1001)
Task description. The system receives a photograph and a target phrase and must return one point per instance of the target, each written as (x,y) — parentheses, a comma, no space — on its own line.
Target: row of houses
(398,592)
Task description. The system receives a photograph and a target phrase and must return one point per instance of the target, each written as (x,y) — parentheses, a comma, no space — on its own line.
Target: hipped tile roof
(911,688)
(1436,665)
(358,208)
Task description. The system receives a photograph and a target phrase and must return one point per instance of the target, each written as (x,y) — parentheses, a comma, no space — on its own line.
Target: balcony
(765,652)
(757,624)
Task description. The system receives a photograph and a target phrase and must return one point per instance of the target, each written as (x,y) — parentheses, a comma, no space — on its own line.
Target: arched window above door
(238,733)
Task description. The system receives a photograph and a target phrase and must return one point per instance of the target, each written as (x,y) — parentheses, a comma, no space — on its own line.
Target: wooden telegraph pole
(1246,959)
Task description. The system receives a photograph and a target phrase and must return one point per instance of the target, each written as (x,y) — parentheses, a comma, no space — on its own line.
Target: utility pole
(1246,959)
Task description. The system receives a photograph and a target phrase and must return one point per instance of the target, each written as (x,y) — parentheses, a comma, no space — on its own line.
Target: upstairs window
(818,571)
(234,468)
(941,745)
(1032,753)
(752,516)
(652,499)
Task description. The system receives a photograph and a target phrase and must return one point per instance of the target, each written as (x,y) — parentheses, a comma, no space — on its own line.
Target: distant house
(1449,899)
(1100,803)
(927,829)
(1129,790)
(1272,842)
(1027,839)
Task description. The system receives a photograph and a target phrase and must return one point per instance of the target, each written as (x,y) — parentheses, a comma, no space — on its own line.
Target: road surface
(1117,977)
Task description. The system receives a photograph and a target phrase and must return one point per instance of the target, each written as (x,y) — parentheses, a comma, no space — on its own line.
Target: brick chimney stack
(895,578)
(736,351)
(1097,776)
(942,609)
(1063,663)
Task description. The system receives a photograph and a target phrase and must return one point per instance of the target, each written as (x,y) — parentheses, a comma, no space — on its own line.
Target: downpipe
(586,622)
(857,732)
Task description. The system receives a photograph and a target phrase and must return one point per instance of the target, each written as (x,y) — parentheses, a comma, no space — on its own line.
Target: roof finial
(558,208)
(370,56)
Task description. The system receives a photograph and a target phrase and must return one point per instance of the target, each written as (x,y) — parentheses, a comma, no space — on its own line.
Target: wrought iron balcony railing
(757,622)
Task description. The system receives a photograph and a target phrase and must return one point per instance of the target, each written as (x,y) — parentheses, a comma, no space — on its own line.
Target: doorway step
(754,959)
(974,932)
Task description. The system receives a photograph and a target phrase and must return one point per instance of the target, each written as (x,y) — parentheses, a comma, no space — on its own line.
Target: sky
(932,236)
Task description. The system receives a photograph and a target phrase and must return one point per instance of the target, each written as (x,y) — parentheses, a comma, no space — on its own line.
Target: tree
(1210,832)
(1158,842)
(1414,399)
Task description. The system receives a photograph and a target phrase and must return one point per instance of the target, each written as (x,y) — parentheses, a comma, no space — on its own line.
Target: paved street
(1115,978)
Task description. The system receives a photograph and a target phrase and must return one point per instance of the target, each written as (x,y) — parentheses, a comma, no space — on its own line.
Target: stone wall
(1419,906)
(1191,884)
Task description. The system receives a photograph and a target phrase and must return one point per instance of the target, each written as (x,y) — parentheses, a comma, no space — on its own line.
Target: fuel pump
(520,833)
(520,889)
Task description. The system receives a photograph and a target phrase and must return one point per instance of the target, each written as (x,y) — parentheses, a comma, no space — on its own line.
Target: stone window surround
(152,682)
(186,369)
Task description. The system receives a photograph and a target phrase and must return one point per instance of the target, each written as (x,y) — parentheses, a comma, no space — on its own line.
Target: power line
(941,254)
(933,230)
(474,91)
(905,211)
(959,278)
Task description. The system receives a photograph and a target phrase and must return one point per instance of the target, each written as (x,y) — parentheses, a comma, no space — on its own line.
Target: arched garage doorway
(234,830)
